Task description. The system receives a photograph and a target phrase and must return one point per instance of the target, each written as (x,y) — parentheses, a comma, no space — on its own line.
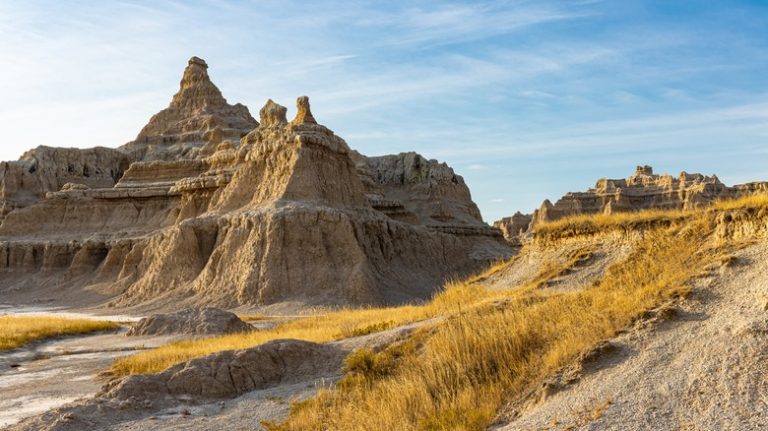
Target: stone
(272,114)
(190,321)
(303,113)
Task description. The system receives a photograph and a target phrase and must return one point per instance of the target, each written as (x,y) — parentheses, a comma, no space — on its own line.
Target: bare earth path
(51,373)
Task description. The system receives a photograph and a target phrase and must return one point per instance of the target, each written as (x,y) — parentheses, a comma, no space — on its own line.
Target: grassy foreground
(457,375)
(16,331)
(490,345)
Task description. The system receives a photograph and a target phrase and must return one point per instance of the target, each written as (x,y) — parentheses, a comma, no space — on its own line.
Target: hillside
(650,320)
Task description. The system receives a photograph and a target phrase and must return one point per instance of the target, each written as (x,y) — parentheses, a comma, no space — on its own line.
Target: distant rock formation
(286,213)
(643,190)
(513,227)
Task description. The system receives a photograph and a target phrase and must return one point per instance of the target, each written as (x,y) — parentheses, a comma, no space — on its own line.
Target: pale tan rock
(190,321)
(643,190)
(198,115)
(47,169)
(303,113)
(289,214)
(515,226)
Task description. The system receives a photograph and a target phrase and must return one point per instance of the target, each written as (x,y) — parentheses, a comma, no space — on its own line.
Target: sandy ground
(704,368)
(47,374)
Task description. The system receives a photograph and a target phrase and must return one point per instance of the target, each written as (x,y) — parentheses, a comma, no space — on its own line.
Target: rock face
(286,213)
(514,227)
(643,190)
(190,321)
(198,119)
(45,169)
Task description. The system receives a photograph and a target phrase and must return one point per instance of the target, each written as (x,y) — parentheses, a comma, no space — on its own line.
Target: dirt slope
(703,366)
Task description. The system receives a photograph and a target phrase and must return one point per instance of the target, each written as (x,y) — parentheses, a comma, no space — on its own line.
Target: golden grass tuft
(16,331)
(757,200)
(466,366)
(591,224)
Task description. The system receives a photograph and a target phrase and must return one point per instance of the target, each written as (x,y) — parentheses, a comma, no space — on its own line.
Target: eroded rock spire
(196,91)
(272,114)
(303,113)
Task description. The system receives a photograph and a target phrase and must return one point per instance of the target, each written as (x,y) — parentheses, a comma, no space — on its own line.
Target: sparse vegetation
(591,224)
(758,200)
(456,372)
(16,331)
(465,367)
(318,328)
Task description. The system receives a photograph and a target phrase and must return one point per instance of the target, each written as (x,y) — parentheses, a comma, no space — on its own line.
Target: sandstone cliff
(286,213)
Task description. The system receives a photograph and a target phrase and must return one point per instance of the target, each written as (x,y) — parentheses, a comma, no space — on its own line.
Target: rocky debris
(643,190)
(190,321)
(198,115)
(286,213)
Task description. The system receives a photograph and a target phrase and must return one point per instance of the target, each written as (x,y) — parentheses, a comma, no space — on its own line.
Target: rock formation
(190,321)
(643,190)
(286,213)
(46,169)
(513,227)
(197,120)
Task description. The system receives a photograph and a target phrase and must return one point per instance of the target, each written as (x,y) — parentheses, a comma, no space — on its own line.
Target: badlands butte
(384,300)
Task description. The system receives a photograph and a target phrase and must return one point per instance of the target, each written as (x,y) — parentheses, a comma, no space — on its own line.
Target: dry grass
(16,331)
(317,328)
(591,224)
(457,374)
(759,200)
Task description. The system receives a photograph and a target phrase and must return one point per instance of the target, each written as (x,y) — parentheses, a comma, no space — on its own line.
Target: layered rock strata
(286,213)
(643,190)
(198,119)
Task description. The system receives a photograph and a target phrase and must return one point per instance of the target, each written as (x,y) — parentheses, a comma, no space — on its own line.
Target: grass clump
(16,331)
(457,375)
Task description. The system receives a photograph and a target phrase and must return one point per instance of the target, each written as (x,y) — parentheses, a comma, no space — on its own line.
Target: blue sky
(525,99)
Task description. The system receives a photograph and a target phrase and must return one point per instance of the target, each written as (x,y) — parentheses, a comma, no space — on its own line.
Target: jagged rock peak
(196,89)
(197,120)
(303,113)
(272,114)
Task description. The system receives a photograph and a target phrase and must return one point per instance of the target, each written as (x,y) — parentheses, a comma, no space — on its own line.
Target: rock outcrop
(643,190)
(286,213)
(46,169)
(198,119)
(514,227)
(190,321)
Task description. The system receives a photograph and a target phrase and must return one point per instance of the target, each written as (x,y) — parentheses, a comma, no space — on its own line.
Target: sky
(525,99)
